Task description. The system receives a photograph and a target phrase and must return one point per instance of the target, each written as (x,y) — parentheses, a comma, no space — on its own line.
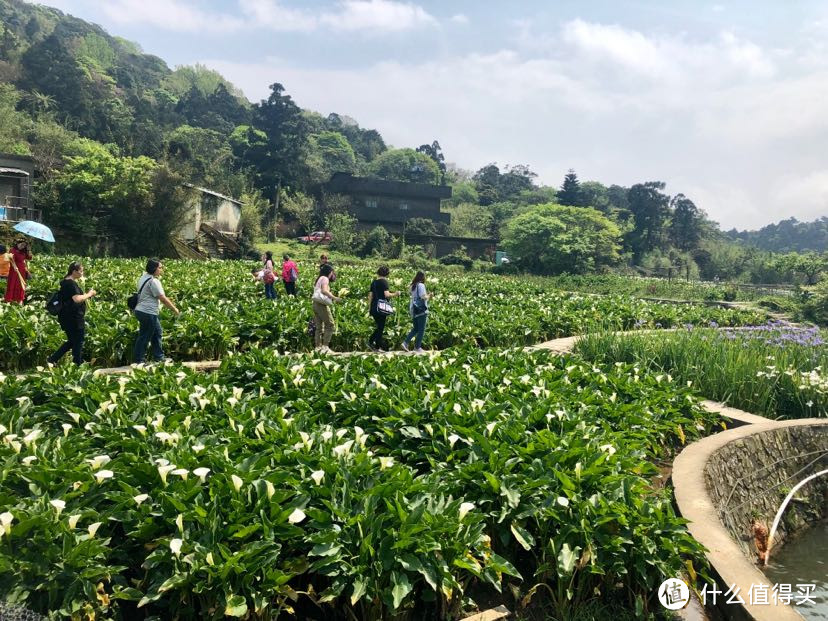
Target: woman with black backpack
(72,314)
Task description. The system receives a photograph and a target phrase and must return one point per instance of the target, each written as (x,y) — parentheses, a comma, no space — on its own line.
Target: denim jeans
(290,287)
(270,290)
(74,341)
(149,331)
(418,330)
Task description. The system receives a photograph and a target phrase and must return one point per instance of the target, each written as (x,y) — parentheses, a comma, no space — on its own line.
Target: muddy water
(804,560)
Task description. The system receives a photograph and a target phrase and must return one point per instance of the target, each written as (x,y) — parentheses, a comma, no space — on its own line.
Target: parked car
(317,237)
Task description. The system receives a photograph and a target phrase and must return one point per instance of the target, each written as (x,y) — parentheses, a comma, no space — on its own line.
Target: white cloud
(273,16)
(370,16)
(382,15)
(460,18)
(804,194)
(719,119)
(169,15)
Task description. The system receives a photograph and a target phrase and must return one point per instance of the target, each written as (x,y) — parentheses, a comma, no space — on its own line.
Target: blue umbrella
(35,229)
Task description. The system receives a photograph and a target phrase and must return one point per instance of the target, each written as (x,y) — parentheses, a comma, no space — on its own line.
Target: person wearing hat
(16,288)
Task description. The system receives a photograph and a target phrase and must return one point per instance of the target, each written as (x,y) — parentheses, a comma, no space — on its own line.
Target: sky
(725,102)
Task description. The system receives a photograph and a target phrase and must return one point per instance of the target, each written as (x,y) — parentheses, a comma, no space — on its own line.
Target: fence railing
(15,209)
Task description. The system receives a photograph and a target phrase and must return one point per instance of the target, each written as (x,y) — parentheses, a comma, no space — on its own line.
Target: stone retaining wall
(750,477)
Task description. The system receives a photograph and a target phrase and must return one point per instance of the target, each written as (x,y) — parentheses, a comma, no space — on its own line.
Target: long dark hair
(268,256)
(419,277)
(325,270)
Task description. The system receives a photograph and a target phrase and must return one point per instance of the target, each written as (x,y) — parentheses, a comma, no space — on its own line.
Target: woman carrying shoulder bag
(419,312)
(379,292)
(322,301)
(269,277)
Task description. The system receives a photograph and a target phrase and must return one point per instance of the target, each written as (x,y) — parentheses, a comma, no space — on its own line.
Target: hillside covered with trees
(116,133)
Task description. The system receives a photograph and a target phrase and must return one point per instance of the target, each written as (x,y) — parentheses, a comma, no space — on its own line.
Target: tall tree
(281,161)
(551,239)
(435,153)
(570,192)
(686,225)
(650,209)
(405,165)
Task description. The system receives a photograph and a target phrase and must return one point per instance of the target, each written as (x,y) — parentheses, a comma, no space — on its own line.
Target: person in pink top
(290,274)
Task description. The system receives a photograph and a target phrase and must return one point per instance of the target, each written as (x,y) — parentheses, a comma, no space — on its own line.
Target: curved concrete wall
(720,484)
(749,478)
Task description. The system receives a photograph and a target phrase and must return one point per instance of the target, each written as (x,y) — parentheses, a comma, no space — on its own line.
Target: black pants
(377,337)
(74,340)
(290,287)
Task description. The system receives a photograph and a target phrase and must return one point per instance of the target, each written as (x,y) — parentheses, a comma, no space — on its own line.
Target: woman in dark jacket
(72,315)
(379,290)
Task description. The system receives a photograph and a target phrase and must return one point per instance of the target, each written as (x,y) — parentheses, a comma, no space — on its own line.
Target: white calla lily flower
(201,473)
(465,508)
(163,471)
(140,498)
(317,476)
(175,546)
(237,482)
(101,475)
(58,504)
(297,516)
(6,519)
(93,528)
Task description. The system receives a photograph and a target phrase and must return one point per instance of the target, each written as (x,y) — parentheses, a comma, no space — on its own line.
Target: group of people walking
(150,296)
(268,275)
(379,307)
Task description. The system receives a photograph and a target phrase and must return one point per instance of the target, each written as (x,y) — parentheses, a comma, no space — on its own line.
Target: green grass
(779,372)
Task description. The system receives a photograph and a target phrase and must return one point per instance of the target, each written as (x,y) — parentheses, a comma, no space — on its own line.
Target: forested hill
(104,87)
(787,236)
(60,74)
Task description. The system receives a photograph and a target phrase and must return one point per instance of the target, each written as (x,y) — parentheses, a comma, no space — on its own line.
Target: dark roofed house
(390,203)
(16,173)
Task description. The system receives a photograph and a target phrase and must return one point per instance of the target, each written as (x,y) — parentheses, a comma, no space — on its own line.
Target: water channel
(804,560)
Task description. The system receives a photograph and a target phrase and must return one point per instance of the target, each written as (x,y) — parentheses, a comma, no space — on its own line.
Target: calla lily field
(312,486)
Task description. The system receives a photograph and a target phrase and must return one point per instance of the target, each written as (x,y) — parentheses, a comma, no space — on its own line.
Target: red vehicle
(317,237)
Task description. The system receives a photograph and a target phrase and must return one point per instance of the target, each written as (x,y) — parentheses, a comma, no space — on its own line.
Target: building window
(371,202)
(403,206)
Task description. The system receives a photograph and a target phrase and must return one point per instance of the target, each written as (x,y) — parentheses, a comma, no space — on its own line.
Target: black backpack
(54,304)
(132,301)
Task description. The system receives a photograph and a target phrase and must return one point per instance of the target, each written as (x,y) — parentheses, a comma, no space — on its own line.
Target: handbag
(132,301)
(384,307)
(321,298)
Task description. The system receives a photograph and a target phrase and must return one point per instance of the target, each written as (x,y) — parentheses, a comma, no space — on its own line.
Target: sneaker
(405,346)
(163,360)
(419,350)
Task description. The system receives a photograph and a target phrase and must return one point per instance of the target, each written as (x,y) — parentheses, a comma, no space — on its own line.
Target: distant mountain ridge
(788,235)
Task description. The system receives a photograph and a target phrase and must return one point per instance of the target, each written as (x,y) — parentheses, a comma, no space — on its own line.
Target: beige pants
(324,324)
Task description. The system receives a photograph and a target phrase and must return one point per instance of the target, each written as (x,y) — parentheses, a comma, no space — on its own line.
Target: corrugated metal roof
(15,171)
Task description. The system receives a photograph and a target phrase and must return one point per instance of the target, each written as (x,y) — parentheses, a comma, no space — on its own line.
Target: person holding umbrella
(18,274)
